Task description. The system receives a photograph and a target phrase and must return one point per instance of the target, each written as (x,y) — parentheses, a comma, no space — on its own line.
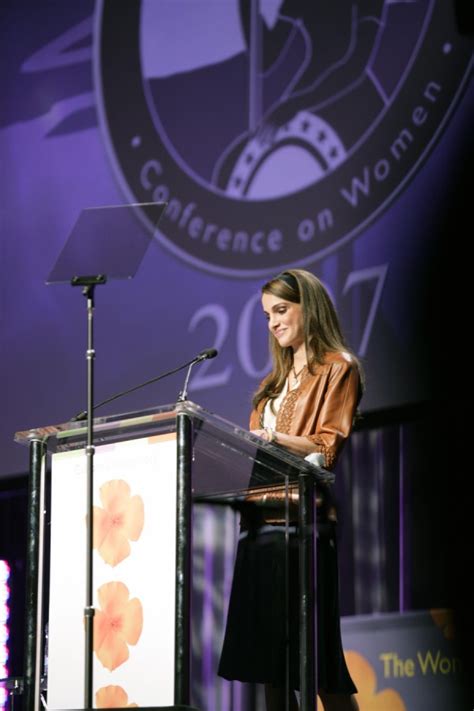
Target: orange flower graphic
(112,697)
(118,624)
(365,679)
(120,520)
(444,619)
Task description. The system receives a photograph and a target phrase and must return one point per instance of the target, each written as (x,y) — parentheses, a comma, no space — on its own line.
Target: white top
(269,412)
(269,420)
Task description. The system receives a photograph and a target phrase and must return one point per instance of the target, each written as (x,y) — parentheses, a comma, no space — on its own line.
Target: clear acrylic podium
(152,467)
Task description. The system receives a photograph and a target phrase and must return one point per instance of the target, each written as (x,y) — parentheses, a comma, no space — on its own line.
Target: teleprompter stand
(106,242)
(89,284)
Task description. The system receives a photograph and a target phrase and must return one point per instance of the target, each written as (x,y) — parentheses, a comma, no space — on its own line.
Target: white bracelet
(271,434)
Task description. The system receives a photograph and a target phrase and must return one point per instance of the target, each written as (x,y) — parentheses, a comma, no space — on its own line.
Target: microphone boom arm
(208,353)
(183,395)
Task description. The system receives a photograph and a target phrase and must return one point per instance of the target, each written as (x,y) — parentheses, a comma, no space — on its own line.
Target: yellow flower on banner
(112,697)
(118,624)
(118,522)
(365,678)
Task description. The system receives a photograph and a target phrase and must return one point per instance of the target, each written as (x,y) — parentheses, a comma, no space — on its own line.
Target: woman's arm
(298,445)
(336,418)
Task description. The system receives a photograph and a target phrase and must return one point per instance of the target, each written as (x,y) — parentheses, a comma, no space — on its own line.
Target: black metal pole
(33,611)
(89,611)
(184,431)
(307,568)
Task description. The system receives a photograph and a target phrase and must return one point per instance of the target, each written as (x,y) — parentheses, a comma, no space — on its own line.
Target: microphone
(206,354)
(203,355)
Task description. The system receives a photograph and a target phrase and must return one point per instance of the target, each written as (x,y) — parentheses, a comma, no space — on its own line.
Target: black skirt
(255,648)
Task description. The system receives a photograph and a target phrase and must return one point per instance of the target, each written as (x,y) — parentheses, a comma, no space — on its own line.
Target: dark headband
(290,280)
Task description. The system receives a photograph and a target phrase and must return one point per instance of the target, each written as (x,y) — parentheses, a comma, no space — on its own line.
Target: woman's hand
(295,444)
(266,433)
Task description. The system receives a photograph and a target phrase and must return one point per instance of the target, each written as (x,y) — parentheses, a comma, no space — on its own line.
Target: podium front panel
(134,574)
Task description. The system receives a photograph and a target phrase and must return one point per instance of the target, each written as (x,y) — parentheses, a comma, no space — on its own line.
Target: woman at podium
(306,404)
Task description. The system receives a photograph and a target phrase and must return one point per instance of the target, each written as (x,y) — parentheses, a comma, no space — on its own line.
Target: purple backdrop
(289,137)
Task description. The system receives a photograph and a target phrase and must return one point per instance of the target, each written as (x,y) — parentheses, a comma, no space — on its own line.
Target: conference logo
(275,131)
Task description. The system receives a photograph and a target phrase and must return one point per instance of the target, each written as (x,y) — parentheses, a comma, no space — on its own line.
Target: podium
(151,466)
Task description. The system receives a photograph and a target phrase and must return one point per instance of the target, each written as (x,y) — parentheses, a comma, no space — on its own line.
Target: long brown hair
(321,328)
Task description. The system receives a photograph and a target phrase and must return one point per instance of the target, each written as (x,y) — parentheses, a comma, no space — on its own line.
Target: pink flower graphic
(118,522)
(112,697)
(118,624)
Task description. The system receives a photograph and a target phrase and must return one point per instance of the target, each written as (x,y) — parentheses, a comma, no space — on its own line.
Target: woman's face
(285,320)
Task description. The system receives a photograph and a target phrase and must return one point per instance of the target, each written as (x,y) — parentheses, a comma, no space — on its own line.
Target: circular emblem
(275,131)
